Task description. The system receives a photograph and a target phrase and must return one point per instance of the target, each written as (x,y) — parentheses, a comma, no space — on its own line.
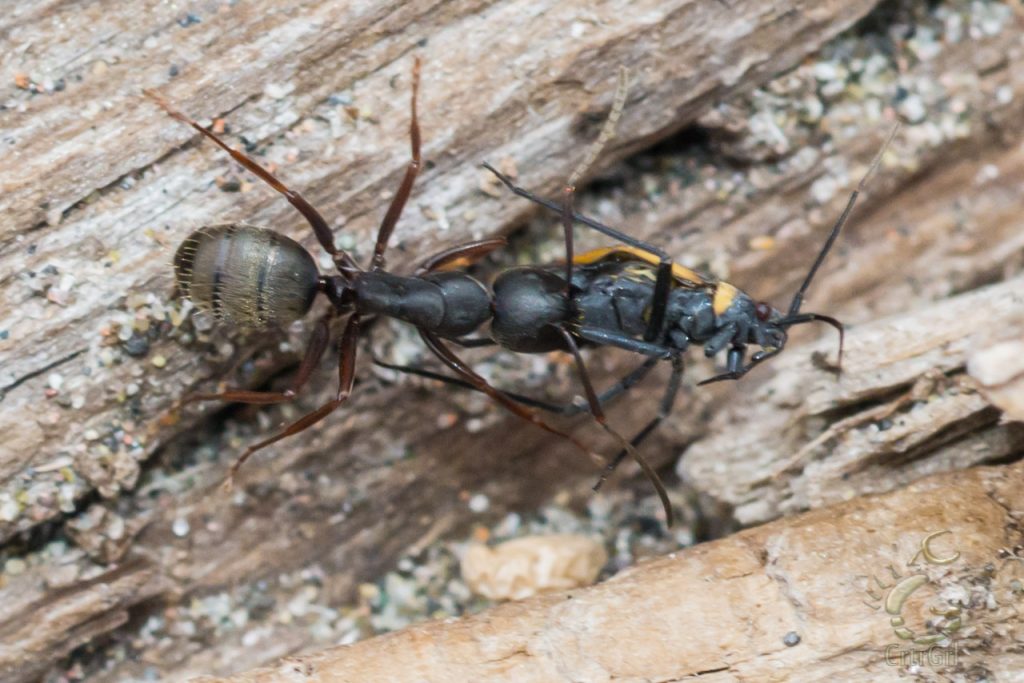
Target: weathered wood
(902,408)
(791,600)
(94,166)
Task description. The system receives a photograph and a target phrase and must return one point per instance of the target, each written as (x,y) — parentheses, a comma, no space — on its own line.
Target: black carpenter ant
(254,277)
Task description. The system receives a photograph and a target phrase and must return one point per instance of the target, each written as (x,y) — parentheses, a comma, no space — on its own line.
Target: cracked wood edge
(723,609)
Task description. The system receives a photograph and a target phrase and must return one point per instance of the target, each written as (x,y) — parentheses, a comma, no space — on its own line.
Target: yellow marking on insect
(678,272)
(725,294)
(454,264)
(640,273)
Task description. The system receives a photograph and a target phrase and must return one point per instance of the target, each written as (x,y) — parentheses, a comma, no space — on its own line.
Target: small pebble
(277,91)
(790,639)
(479,503)
(137,345)
(180,527)
(912,108)
(159,361)
(15,566)
(9,509)
(526,566)
(341,99)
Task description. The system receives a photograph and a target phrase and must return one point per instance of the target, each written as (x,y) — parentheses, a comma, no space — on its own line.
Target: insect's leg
(312,216)
(346,377)
(734,361)
(448,357)
(720,339)
(394,211)
(595,410)
(659,302)
(314,351)
(667,402)
(430,374)
(473,342)
(567,197)
(735,367)
(604,337)
(460,256)
(623,385)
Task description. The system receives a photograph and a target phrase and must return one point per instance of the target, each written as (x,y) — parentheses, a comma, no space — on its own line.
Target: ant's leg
(570,342)
(460,256)
(667,401)
(607,133)
(394,211)
(314,351)
(346,377)
(599,417)
(312,216)
(473,342)
(448,357)
(623,385)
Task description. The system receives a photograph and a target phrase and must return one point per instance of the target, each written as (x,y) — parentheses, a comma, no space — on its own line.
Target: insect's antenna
(798,298)
(607,131)
(802,318)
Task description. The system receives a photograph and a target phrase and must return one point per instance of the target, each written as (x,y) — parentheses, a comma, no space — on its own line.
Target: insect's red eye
(763,311)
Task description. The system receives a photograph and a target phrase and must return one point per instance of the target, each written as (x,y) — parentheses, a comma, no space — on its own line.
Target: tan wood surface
(97,187)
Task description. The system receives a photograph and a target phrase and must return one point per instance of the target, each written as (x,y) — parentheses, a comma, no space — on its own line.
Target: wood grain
(810,578)
(97,187)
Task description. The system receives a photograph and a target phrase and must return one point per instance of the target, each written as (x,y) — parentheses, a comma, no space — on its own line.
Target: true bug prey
(254,277)
(632,296)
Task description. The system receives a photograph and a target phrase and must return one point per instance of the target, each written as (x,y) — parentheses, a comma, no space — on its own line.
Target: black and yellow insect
(632,296)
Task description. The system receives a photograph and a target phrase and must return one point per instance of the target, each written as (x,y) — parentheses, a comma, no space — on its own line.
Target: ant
(253,277)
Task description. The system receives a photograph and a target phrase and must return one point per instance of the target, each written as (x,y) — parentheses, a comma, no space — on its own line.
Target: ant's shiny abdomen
(246,276)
